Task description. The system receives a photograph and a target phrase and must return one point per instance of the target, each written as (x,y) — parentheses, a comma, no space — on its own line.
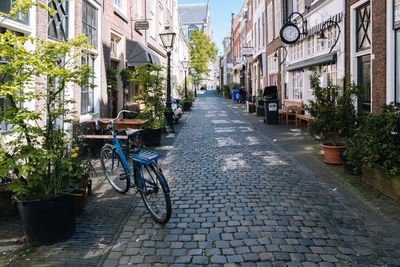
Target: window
(332,34)
(270,23)
(364,79)
(89,22)
(57,25)
(5,7)
(117,3)
(396,14)
(138,9)
(310,46)
(53,85)
(273,66)
(364,27)
(161,17)
(192,28)
(3,100)
(297,85)
(328,73)
(87,94)
(301,5)
(263,29)
(259,33)
(278,16)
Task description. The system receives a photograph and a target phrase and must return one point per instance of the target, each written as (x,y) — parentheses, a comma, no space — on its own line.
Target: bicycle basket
(145,156)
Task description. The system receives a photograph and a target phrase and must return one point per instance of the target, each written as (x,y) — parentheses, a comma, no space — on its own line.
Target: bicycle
(148,177)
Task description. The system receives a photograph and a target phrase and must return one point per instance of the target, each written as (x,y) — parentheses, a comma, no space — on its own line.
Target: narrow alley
(239,198)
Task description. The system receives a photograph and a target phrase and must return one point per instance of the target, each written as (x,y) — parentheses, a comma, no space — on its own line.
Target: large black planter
(152,137)
(48,221)
(187,106)
(8,207)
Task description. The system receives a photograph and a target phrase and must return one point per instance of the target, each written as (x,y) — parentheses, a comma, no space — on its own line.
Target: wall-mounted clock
(289,33)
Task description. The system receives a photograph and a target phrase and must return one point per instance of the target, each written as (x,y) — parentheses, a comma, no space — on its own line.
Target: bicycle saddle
(132,132)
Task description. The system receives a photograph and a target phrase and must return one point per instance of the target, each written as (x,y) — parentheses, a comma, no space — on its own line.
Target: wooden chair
(290,109)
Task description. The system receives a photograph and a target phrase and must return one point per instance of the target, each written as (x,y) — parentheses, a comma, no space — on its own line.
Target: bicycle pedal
(123,177)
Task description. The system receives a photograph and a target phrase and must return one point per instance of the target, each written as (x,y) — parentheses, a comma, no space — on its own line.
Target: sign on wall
(247,51)
(396,14)
(141,25)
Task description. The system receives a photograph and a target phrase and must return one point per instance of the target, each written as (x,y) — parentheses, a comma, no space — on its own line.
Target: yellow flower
(58,151)
(70,169)
(74,155)
(77,148)
(73,150)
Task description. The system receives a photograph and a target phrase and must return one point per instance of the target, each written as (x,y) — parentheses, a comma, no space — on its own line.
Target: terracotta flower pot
(331,153)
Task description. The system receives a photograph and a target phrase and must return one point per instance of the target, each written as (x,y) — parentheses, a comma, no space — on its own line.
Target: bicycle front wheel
(154,190)
(114,169)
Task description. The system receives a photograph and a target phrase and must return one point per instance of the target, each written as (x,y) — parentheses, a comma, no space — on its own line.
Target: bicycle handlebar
(112,121)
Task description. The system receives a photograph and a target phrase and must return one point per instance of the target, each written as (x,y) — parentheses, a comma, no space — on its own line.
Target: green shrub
(333,110)
(376,141)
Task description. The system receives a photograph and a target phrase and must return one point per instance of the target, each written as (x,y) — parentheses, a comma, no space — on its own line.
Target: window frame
(89,91)
(93,37)
(397,66)
(360,25)
(65,16)
(396,13)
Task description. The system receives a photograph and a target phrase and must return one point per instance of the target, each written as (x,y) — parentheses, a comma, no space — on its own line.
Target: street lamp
(167,38)
(322,36)
(185,64)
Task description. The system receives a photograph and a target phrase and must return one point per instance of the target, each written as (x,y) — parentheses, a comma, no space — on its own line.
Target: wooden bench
(300,118)
(290,108)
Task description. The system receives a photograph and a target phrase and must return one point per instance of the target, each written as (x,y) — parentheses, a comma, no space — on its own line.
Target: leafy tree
(150,93)
(37,149)
(201,51)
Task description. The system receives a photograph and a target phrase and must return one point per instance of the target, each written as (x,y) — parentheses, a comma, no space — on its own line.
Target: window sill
(120,14)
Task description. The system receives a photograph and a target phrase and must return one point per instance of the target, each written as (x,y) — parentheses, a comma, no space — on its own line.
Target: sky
(220,12)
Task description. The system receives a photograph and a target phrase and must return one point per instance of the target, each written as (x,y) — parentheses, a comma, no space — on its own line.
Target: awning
(331,58)
(138,55)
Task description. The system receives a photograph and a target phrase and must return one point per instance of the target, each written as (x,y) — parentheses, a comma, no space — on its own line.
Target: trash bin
(271,105)
(235,95)
(260,108)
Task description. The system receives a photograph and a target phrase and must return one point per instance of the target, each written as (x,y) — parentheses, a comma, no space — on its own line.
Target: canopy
(138,55)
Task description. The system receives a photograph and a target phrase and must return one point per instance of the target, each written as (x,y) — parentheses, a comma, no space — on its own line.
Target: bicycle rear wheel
(154,190)
(114,169)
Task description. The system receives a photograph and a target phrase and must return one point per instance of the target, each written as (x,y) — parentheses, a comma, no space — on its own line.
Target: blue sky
(220,12)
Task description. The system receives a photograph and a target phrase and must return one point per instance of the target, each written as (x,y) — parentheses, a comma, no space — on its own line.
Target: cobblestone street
(238,197)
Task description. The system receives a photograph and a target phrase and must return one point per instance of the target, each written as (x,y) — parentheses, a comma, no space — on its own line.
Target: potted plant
(38,142)
(81,168)
(8,207)
(150,93)
(375,149)
(334,115)
(226,91)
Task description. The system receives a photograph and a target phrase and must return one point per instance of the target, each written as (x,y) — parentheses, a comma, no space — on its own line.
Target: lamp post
(185,64)
(167,38)
(193,71)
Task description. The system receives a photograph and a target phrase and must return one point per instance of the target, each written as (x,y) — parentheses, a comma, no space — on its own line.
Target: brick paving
(238,199)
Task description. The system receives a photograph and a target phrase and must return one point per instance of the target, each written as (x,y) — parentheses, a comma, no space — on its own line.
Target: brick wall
(271,48)
(379,50)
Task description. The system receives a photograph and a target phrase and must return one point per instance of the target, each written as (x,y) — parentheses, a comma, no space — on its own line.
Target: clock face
(289,33)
